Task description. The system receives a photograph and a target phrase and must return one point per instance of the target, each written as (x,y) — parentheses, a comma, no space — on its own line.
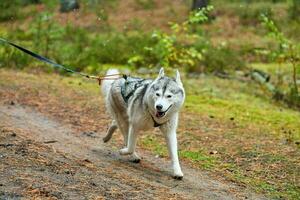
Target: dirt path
(148,180)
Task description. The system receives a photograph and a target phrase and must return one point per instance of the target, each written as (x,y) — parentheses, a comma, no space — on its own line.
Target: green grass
(225,99)
(199,158)
(153,143)
(264,119)
(156,144)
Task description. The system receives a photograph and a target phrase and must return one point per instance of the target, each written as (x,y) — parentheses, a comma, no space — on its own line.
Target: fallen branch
(263,79)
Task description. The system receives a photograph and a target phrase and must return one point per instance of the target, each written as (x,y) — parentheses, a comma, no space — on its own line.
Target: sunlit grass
(227,99)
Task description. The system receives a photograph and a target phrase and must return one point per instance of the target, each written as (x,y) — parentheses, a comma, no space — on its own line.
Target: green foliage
(294,9)
(10,10)
(249,13)
(74,47)
(12,57)
(27,2)
(82,50)
(119,48)
(204,161)
(168,50)
(286,52)
(145,4)
(222,59)
(182,48)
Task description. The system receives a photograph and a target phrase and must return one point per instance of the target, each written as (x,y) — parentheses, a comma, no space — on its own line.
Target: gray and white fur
(138,104)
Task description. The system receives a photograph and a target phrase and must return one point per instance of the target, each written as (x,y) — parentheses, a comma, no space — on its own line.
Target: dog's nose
(159,107)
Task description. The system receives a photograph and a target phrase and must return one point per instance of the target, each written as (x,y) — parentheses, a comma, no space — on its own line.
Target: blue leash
(54,64)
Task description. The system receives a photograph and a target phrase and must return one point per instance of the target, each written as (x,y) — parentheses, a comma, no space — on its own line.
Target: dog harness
(130,86)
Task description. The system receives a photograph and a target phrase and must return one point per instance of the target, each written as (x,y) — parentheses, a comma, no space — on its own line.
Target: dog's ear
(161,72)
(177,78)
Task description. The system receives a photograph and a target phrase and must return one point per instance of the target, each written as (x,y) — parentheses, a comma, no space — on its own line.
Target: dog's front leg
(131,142)
(169,131)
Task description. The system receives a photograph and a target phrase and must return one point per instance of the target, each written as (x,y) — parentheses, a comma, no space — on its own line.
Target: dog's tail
(106,84)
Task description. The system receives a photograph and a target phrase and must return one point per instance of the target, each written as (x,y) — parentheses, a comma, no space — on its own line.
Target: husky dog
(137,104)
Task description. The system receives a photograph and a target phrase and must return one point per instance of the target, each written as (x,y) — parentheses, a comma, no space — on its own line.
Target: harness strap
(126,96)
(155,123)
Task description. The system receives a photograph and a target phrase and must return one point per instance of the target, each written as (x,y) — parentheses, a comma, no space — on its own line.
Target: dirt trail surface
(114,176)
(43,155)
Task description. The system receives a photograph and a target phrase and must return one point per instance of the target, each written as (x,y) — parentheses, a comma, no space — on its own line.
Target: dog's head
(166,95)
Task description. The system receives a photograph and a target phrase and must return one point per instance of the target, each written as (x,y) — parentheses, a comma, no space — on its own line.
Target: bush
(287,52)
(171,50)
(81,50)
(71,46)
(10,10)
(13,58)
(118,48)
(145,4)
(294,9)
(221,59)
(249,13)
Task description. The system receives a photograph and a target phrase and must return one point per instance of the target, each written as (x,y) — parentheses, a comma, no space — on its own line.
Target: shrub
(145,4)
(185,49)
(249,13)
(294,9)
(221,59)
(169,49)
(71,46)
(287,52)
(118,48)
(13,58)
(10,10)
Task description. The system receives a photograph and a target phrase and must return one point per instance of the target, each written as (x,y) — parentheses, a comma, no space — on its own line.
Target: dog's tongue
(160,114)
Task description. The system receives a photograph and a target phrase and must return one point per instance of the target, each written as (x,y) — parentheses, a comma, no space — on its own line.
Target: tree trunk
(198,4)
(68,5)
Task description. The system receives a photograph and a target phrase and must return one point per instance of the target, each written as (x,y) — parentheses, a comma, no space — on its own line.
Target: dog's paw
(135,160)
(178,175)
(124,151)
(105,139)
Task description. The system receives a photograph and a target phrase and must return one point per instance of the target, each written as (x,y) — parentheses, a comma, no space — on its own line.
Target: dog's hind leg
(113,127)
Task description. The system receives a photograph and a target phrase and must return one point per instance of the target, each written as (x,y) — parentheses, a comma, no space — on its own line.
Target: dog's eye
(169,96)
(157,94)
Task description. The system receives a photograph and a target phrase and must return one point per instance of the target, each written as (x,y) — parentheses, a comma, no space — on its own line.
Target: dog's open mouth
(160,114)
